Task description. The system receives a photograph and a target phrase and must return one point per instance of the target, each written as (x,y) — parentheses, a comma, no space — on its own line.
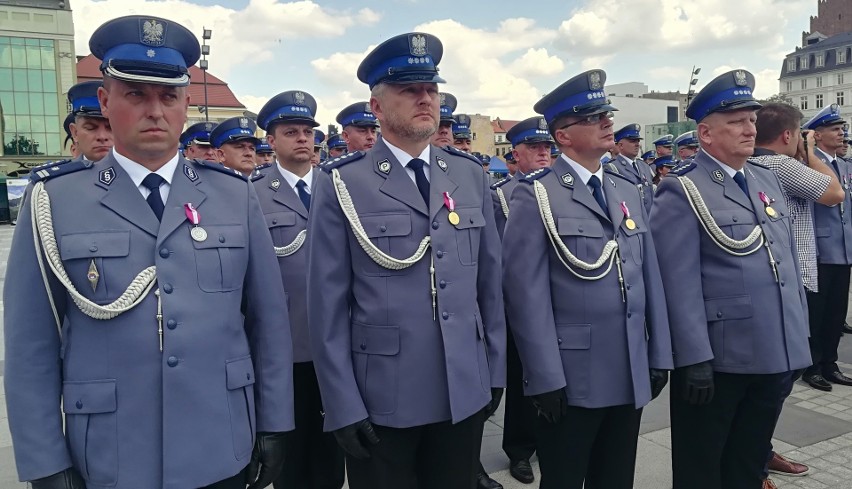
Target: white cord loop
(503,203)
(281,251)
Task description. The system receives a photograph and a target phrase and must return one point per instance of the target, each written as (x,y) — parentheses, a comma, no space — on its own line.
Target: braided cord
(281,251)
(503,203)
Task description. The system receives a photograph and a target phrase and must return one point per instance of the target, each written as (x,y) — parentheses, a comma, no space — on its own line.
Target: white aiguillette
(197,232)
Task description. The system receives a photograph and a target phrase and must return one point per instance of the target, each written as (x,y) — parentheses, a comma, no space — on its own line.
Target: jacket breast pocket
(221,259)
(575,343)
(105,249)
(731,329)
(822,232)
(92,428)
(281,227)
(735,223)
(583,236)
(468,231)
(239,380)
(375,352)
(634,239)
(389,232)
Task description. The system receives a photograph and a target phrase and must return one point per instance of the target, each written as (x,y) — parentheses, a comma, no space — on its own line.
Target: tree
(21,145)
(778,99)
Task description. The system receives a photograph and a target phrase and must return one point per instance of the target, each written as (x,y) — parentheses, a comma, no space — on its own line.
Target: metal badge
(93,276)
(107,176)
(384,166)
(198,233)
(630,224)
(542,124)
(442,164)
(208,126)
(244,122)
(151,53)
(595,80)
(275,184)
(443,99)
(568,180)
(299,98)
(613,181)
(740,78)
(153,33)
(367,108)
(417,45)
(718,175)
(190,173)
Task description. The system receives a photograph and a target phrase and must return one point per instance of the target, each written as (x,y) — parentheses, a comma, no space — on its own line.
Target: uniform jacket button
(719,314)
(221,239)
(383,228)
(442,284)
(275,221)
(435,224)
(173,361)
(363,346)
(79,404)
(171,324)
(93,248)
(445,315)
(439,254)
(248,376)
(559,340)
(167,288)
(164,252)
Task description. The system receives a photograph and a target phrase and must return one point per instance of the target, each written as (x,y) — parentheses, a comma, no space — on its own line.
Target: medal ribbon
(625,210)
(449,202)
(765,199)
(191,213)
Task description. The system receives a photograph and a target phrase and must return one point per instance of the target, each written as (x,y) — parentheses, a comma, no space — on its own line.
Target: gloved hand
(698,383)
(659,379)
(267,460)
(551,405)
(494,403)
(350,438)
(67,479)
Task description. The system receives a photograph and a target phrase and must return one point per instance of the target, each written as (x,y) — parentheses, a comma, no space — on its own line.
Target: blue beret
(319,137)
(262,147)
(448,106)
(461,127)
(198,133)
(406,58)
(666,140)
(689,138)
(828,116)
(649,154)
(728,91)
(358,114)
(532,130)
(336,141)
(630,131)
(145,49)
(580,96)
(83,98)
(509,157)
(232,130)
(292,106)
(667,160)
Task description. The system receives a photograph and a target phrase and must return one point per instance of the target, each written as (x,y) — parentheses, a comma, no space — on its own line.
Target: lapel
(613,202)
(285,195)
(441,181)
(628,165)
(397,184)
(123,197)
(730,188)
(754,189)
(182,191)
(579,191)
(827,160)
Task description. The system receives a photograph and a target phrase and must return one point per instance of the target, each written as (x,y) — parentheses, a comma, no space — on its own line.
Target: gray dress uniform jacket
(578,334)
(378,352)
(286,217)
(833,225)
(638,172)
(501,202)
(725,308)
(136,417)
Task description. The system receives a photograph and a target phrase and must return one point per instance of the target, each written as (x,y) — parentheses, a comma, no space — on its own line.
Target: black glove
(551,405)
(267,460)
(494,403)
(349,438)
(659,379)
(67,479)
(698,383)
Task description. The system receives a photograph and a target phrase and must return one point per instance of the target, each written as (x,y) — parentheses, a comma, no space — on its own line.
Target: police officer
(264,155)
(360,127)
(319,137)
(663,145)
(444,135)
(90,130)
(179,356)
(314,460)
(554,153)
(404,306)
(735,300)
(627,141)
(687,145)
(833,229)
(66,124)
(648,157)
(196,141)
(511,165)
(336,146)
(593,361)
(664,165)
(235,144)
(461,132)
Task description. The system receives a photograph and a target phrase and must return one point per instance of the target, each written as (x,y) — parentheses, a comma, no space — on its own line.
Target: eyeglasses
(591,120)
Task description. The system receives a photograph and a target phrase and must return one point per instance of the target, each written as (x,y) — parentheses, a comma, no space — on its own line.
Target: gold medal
(454,218)
(198,233)
(771,212)
(630,223)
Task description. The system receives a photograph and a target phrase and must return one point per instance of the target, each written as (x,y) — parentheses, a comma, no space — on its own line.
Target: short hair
(775,118)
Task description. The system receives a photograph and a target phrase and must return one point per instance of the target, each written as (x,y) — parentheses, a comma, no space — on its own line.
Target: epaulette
(535,175)
(262,167)
(615,172)
(49,164)
(611,167)
(756,162)
(683,168)
(212,165)
(58,168)
(256,176)
(500,183)
(341,160)
(457,152)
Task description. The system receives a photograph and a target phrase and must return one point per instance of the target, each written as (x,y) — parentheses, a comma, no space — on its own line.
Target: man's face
(532,156)
(589,137)
(663,170)
(730,134)
(462,144)
(359,138)
(629,147)
(335,152)
(201,151)
(664,151)
(263,158)
(829,138)
(444,135)
(685,152)
(410,112)
(843,149)
(512,166)
(146,119)
(238,155)
(293,143)
(93,136)
(315,158)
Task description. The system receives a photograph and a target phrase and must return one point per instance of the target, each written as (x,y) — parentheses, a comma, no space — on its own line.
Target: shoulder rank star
(453,217)
(767,204)
(628,222)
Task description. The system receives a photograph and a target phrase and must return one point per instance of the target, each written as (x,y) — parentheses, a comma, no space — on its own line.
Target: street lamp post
(205,50)
(693,80)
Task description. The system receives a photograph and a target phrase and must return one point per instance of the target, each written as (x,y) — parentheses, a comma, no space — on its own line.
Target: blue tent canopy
(498,166)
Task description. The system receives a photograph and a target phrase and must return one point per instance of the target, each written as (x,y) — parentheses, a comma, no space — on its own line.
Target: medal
(450,204)
(767,203)
(629,223)
(93,276)
(197,232)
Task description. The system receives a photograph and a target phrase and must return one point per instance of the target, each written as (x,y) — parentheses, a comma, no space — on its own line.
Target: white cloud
(253,102)
(537,62)
(765,81)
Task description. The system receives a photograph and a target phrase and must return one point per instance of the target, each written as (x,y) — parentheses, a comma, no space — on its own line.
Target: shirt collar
(137,172)
(730,171)
(293,179)
(582,173)
(404,157)
(830,157)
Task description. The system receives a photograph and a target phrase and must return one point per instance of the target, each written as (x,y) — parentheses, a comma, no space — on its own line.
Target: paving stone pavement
(815,429)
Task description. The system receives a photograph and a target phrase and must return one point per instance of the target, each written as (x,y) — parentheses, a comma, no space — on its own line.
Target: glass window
(803,103)
(4,40)
(17,41)
(789,86)
(31,42)
(23,123)
(46,42)
(9,123)
(36,104)
(804,83)
(52,144)
(840,98)
(48,59)
(803,62)
(35,77)
(33,57)
(819,101)
(19,80)
(5,78)
(51,104)
(19,57)
(819,61)
(791,64)
(5,56)
(841,56)
(819,82)
(38,123)
(840,78)
(49,81)
(7,103)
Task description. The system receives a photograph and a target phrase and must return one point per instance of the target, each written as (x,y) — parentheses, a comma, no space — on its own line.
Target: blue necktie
(152,182)
(597,192)
(741,181)
(420,177)
(304,196)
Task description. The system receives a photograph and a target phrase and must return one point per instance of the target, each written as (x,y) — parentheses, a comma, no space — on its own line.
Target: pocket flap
(276,219)
(470,218)
(823,232)
(638,229)
(724,308)
(579,226)
(574,336)
(375,340)
(239,372)
(94,245)
(730,217)
(222,236)
(384,225)
(88,397)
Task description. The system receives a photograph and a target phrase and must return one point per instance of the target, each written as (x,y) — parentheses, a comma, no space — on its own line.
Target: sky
(500,57)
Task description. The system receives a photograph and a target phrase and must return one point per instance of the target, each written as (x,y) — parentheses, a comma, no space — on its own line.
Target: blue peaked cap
(448,106)
(727,92)
(83,98)
(630,131)
(295,106)
(580,96)
(531,130)
(232,130)
(461,127)
(358,114)
(406,58)
(666,140)
(689,138)
(828,116)
(198,133)
(336,141)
